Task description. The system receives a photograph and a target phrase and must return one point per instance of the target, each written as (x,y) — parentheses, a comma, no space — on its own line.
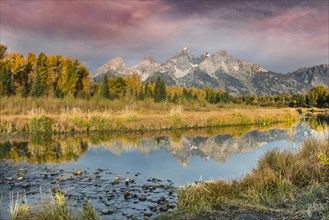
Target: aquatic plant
(56,208)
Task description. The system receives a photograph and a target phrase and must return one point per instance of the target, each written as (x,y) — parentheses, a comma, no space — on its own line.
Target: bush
(40,125)
(98,123)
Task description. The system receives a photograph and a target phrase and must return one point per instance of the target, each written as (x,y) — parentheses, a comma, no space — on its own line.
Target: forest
(55,76)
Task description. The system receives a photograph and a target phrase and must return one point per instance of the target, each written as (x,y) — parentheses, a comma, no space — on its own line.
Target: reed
(56,208)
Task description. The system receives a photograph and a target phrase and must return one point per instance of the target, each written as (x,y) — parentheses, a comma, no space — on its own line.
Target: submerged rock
(107,212)
(127,195)
(147,214)
(163,208)
(142,198)
(153,208)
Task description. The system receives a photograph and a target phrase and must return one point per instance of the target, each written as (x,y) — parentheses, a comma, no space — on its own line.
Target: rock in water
(77,172)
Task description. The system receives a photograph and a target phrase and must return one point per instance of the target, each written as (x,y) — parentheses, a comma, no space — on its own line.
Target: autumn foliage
(41,75)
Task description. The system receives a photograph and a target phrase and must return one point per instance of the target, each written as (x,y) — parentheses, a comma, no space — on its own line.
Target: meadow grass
(284,184)
(45,115)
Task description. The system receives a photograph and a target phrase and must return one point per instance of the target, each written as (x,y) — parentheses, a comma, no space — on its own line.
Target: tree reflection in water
(216,143)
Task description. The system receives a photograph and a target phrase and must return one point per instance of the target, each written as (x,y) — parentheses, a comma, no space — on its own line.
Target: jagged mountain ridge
(146,67)
(114,68)
(312,76)
(219,70)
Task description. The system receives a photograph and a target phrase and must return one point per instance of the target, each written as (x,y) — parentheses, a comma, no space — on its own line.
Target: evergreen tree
(105,89)
(140,94)
(175,98)
(38,87)
(7,87)
(147,90)
(42,69)
(58,92)
(83,78)
(25,80)
(159,90)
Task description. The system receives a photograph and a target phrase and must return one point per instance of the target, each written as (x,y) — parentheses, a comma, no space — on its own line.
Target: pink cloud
(302,27)
(297,19)
(97,20)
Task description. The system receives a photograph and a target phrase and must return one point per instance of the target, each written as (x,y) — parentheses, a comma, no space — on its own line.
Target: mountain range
(219,70)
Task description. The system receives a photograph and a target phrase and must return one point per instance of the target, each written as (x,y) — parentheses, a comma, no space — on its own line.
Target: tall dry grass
(76,115)
(284,183)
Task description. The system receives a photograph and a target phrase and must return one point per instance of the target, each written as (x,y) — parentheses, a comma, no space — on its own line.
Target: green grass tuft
(40,125)
(54,209)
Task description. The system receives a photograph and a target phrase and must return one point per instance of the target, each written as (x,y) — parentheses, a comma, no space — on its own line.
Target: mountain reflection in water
(216,143)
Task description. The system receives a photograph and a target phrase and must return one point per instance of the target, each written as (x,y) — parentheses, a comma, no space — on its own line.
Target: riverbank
(283,185)
(59,116)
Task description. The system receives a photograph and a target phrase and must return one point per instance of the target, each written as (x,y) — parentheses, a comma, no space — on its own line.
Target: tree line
(57,76)
(41,75)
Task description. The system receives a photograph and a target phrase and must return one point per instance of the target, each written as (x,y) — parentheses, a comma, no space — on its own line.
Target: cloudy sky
(279,35)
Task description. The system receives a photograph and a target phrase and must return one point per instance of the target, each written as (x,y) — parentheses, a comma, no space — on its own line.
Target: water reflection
(319,122)
(217,144)
(43,149)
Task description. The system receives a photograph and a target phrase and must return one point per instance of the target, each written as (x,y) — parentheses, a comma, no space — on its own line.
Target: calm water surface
(195,158)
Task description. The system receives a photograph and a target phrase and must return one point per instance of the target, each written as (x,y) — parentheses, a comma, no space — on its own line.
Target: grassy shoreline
(283,185)
(69,115)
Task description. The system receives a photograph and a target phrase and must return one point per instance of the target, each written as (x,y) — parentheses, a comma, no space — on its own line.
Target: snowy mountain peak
(145,67)
(116,60)
(180,64)
(203,56)
(222,53)
(185,48)
(206,54)
(149,58)
(117,63)
(115,67)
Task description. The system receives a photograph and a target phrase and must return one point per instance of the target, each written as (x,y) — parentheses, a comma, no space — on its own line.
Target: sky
(281,36)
